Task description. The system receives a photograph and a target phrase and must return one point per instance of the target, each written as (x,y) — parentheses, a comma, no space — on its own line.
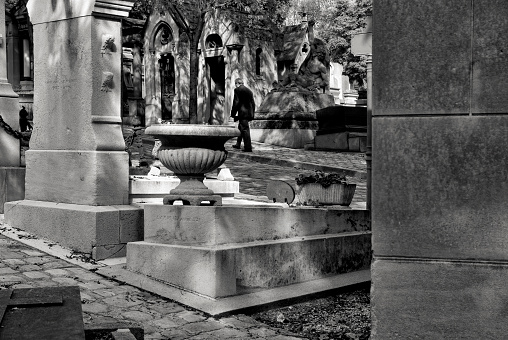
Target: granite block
(439,187)
(422,57)
(490,57)
(438,300)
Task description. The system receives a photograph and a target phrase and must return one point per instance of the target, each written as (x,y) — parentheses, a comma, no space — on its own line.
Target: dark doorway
(216,69)
(167,74)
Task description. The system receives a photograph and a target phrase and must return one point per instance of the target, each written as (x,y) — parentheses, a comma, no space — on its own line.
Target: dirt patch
(345,315)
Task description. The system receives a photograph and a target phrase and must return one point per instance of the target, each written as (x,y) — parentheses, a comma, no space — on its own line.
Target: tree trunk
(193,80)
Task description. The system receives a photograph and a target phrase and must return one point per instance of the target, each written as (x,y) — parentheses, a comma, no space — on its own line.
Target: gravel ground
(344,316)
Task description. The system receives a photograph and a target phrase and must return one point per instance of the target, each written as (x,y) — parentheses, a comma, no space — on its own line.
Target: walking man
(243,112)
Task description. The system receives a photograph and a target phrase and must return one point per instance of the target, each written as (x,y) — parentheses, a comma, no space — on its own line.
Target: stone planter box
(335,194)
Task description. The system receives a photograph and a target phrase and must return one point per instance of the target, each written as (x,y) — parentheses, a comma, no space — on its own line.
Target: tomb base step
(230,269)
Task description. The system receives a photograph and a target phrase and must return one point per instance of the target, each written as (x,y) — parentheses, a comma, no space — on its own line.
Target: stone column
(77,167)
(439,169)
(9,106)
(12,176)
(77,107)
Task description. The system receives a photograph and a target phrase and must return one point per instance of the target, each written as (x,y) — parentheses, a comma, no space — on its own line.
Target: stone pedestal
(288,118)
(77,152)
(228,250)
(439,170)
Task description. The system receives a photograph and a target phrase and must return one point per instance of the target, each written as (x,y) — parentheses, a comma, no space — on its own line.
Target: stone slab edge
(238,303)
(296,164)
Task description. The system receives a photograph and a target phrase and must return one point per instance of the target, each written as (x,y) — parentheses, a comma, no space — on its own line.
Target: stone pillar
(439,169)
(11,174)
(9,106)
(77,152)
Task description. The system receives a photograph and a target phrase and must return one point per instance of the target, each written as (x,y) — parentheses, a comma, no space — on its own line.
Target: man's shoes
(247,150)
(236,147)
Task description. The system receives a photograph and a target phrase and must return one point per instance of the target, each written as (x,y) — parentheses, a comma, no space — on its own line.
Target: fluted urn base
(192,191)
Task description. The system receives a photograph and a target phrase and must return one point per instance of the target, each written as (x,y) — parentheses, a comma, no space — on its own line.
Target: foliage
(190,16)
(336,22)
(319,177)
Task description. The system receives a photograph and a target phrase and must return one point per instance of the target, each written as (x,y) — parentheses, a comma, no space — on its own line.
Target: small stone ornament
(107,81)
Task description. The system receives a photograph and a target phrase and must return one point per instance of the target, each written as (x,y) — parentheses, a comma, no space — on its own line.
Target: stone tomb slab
(224,251)
(41,313)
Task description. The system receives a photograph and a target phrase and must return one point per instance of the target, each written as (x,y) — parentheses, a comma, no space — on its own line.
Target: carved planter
(190,151)
(316,194)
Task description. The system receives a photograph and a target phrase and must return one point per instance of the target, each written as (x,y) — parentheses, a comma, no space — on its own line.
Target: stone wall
(439,169)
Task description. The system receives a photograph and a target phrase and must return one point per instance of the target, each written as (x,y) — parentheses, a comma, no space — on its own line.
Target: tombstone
(41,313)
(11,174)
(77,170)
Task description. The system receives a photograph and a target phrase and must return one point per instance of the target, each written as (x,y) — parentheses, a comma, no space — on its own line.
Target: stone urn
(191,151)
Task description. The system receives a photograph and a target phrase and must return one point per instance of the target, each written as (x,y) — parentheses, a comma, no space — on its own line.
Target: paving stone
(237,323)
(104,292)
(121,301)
(168,308)
(55,264)
(22,285)
(200,327)
(92,285)
(262,332)
(168,322)
(31,252)
(84,274)
(14,262)
(38,260)
(57,272)
(6,254)
(229,333)
(94,307)
(190,316)
(175,334)
(10,278)
(86,298)
(285,337)
(29,268)
(65,281)
(7,270)
(36,275)
(138,316)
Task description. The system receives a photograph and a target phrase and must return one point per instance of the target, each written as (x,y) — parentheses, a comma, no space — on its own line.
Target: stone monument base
(102,231)
(12,185)
(229,250)
(288,133)
(288,118)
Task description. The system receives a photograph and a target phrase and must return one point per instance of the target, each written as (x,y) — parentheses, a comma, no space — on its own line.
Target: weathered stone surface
(422,76)
(223,225)
(490,37)
(438,300)
(81,227)
(204,270)
(446,184)
(293,105)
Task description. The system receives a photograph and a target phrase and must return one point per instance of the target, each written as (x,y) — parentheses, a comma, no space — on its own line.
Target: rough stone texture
(223,225)
(12,185)
(490,58)
(216,271)
(290,138)
(439,300)
(421,76)
(447,187)
(79,227)
(293,105)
